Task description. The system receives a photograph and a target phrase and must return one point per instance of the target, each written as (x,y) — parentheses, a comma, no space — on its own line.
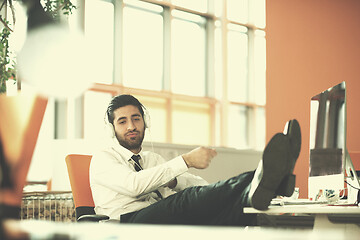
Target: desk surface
(97,231)
(307,209)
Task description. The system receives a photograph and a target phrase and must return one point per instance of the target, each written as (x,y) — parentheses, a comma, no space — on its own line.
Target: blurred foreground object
(54,60)
(21,118)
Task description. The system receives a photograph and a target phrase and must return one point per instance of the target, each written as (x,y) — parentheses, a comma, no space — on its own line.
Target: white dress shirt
(118,189)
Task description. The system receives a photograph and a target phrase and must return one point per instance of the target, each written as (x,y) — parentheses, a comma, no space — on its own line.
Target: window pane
(156,121)
(99,32)
(238,127)
(18,36)
(237,10)
(237,66)
(260,128)
(142,49)
(95,105)
(188,58)
(258,13)
(260,67)
(218,5)
(191,123)
(198,5)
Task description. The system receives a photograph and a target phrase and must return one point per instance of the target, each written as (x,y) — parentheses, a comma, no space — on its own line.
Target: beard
(131,143)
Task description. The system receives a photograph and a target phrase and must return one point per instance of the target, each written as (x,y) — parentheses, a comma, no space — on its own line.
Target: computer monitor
(330,164)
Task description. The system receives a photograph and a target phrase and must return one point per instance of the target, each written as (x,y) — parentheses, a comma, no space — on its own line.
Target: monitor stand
(352,180)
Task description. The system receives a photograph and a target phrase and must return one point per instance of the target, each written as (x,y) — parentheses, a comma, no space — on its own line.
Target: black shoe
(272,169)
(293,133)
(274,175)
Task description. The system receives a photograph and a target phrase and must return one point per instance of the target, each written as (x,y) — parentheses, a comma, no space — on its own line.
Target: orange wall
(311,46)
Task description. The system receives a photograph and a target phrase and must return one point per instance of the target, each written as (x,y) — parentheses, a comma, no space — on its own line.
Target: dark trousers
(220,203)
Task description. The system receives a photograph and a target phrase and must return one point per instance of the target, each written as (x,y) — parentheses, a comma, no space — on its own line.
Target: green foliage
(7,66)
(54,7)
(7,63)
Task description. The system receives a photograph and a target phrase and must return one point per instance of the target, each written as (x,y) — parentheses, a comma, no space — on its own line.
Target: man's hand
(172,184)
(199,158)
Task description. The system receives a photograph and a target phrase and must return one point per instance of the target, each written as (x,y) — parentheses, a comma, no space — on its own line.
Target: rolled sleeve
(178,165)
(185,179)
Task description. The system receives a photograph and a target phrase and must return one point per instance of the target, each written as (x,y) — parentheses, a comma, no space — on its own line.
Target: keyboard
(286,201)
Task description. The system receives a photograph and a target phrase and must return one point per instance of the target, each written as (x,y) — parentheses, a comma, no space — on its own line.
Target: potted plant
(7,65)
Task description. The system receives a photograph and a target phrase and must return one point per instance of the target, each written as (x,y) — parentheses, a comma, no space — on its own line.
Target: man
(141,187)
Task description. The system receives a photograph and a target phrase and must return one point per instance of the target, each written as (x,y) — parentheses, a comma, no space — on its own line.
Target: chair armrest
(92,218)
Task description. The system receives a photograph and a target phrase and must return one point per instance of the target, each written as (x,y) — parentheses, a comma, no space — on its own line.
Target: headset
(109,127)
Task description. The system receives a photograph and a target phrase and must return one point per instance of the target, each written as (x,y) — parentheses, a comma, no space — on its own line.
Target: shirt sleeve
(119,176)
(189,180)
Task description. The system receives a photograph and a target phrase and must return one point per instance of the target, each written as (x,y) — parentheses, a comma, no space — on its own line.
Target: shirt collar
(124,152)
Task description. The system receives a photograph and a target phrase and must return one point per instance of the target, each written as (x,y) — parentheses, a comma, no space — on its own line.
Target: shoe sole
(293,133)
(275,169)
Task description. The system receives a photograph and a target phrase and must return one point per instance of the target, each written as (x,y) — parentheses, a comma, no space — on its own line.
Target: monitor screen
(327,139)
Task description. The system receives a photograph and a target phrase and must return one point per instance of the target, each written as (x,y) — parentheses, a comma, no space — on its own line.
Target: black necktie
(137,165)
(138,168)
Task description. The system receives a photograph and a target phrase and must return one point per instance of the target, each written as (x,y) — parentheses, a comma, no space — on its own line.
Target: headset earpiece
(109,128)
(147,121)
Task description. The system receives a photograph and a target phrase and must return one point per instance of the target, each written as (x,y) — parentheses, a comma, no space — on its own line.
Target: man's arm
(107,171)
(199,158)
(172,184)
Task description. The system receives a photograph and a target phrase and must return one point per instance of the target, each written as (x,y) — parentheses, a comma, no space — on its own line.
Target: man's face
(129,127)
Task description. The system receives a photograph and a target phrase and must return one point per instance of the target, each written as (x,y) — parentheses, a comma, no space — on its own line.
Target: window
(238,10)
(187,54)
(198,66)
(191,123)
(238,84)
(99,31)
(142,59)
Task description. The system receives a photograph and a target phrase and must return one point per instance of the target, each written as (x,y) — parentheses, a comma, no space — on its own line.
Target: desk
(105,231)
(322,213)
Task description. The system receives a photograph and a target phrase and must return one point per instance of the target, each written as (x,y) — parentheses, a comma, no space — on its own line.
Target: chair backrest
(78,169)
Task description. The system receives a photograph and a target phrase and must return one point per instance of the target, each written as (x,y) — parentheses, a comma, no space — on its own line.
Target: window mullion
(167,49)
(118,41)
(167,70)
(251,128)
(169,120)
(210,74)
(60,119)
(251,67)
(224,99)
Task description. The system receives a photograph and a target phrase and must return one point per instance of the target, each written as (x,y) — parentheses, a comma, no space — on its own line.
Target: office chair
(78,170)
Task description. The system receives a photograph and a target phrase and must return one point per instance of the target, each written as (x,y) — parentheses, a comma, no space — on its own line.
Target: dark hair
(122,101)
